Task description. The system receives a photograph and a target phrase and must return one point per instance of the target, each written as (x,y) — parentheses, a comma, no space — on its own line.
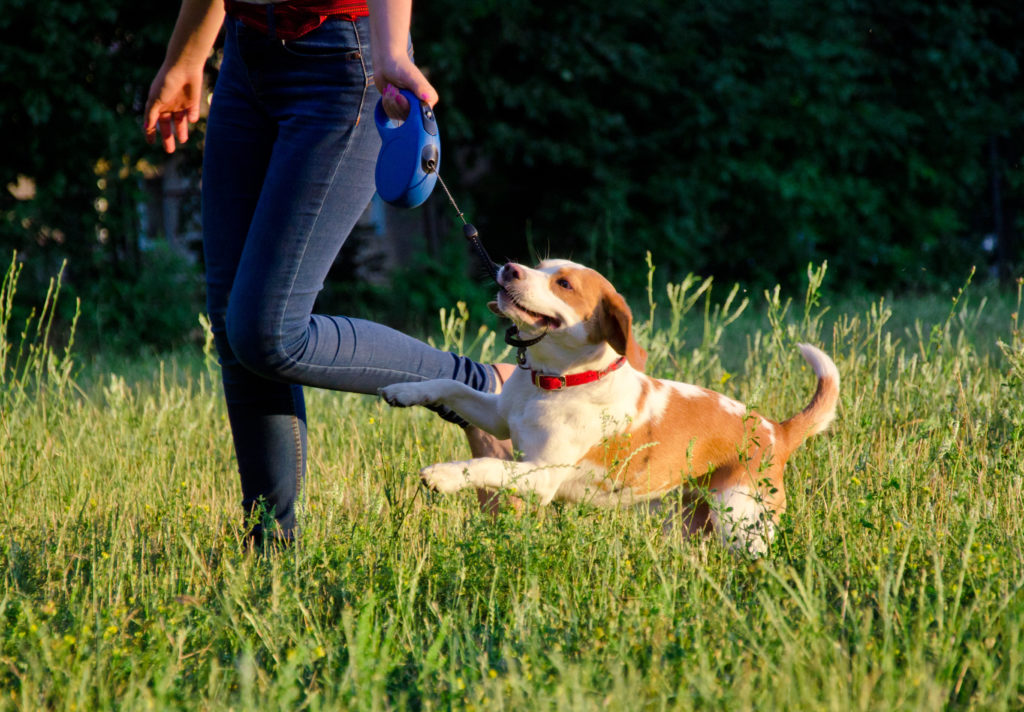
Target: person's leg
(297,201)
(319,180)
(267,417)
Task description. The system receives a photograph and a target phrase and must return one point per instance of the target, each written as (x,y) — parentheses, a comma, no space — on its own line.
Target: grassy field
(895,582)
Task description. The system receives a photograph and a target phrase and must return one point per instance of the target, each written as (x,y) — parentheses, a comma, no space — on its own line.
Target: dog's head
(574,306)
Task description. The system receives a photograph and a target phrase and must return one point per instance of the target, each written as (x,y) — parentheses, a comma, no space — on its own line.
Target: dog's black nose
(511,272)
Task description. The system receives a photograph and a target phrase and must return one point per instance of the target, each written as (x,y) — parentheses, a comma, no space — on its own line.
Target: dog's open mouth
(514,310)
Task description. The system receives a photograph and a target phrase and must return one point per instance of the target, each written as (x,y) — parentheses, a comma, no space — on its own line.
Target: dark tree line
(742,139)
(735,138)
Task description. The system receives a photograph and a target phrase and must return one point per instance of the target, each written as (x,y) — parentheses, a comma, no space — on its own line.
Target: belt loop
(271,28)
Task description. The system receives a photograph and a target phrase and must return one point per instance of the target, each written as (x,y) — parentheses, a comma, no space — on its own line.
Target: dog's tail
(821,411)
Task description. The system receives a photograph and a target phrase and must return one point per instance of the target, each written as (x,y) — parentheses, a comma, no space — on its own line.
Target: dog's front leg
(480,409)
(492,473)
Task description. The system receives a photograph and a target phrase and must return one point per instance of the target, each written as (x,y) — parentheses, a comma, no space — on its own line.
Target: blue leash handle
(409,163)
(410,154)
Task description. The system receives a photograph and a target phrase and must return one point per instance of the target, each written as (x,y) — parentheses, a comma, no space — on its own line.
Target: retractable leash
(409,165)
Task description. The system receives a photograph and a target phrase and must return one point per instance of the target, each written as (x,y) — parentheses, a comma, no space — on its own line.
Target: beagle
(592,427)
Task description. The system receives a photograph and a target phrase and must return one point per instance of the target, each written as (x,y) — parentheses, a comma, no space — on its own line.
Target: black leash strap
(468,229)
(471,234)
(520,344)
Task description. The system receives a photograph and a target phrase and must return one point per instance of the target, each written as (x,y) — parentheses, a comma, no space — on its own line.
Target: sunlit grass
(895,581)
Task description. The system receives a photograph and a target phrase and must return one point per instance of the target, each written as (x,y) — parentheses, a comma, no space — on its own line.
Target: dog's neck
(551,358)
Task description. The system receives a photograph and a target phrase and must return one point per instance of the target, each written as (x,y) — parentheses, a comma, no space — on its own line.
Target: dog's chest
(561,426)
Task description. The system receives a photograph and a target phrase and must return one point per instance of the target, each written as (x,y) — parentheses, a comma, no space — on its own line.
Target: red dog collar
(557,383)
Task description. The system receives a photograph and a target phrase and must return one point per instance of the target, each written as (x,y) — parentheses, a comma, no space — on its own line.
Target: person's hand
(394,73)
(173,104)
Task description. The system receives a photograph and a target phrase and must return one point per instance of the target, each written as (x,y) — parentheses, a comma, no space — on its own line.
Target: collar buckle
(549,383)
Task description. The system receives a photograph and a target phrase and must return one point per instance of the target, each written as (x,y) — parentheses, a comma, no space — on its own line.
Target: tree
(734,138)
(76,77)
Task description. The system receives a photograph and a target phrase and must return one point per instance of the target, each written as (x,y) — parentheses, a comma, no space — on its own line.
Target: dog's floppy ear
(616,324)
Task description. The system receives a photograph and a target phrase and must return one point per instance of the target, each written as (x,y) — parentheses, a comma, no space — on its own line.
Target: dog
(592,427)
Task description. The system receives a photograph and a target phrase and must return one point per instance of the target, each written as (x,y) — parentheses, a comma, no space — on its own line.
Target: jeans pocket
(335,39)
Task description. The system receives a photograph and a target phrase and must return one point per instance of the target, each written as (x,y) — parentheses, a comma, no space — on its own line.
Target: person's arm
(389,39)
(176,92)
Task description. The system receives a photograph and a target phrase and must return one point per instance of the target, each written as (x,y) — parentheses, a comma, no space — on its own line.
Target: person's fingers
(418,84)
(166,133)
(180,119)
(395,105)
(426,92)
(151,116)
(172,104)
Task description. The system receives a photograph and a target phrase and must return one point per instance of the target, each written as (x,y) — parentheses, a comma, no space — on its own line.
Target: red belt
(293,18)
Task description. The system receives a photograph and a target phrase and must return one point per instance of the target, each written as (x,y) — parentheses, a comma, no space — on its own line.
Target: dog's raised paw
(403,395)
(446,477)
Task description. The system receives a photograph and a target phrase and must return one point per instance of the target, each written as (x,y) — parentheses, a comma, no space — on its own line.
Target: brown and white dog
(592,427)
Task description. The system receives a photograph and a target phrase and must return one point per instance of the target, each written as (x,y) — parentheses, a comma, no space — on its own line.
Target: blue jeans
(287,170)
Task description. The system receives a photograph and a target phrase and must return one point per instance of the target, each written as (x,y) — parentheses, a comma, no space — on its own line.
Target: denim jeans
(287,170)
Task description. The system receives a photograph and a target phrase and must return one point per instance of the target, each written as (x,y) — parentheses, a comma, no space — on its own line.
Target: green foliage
(737,139)
(76,76)
(732,138)
(895,581)
(156,307)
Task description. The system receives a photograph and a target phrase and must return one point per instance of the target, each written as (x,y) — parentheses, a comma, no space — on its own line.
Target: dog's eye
(564,283)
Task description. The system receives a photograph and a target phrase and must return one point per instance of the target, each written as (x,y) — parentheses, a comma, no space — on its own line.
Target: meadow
(895,582)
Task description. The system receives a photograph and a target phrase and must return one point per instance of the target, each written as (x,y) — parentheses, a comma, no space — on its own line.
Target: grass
(895,582)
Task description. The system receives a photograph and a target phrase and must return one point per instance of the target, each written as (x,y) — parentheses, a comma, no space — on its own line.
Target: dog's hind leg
(743,520)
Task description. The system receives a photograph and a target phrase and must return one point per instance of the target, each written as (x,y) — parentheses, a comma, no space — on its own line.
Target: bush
(156,306)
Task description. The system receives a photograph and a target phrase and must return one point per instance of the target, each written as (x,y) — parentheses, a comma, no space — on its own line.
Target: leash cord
(469,231)
(471,234)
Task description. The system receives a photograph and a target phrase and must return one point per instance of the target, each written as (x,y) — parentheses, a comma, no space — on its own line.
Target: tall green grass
(895,581)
